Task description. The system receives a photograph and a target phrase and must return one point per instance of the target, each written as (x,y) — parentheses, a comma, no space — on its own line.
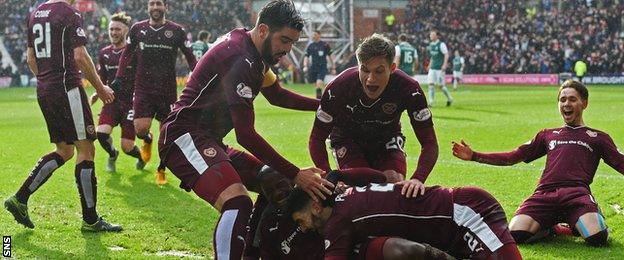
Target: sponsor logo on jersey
(80,32)
(389,108)
(210,152)
(341,152)
(553,143)
(286,242)
(168,33)
(422,115)
(324,116)
(591,133)
(244,91)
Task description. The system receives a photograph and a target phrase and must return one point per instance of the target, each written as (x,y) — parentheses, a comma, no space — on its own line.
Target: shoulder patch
(244,91)
(422,115)
(324,116)
(80,32)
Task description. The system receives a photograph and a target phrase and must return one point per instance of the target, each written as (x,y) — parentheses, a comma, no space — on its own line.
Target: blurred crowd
(543,36)
(214,16)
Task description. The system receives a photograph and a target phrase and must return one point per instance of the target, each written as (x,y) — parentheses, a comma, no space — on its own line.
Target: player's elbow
(245,137)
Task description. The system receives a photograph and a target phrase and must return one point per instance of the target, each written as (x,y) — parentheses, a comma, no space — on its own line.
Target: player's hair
(297,201)
(122,17)
(280,13)
(403,37)
(317,31)
(576,85)
(203,35)
(374,46)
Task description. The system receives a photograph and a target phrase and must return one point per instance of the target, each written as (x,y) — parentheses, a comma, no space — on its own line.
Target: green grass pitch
(161,219)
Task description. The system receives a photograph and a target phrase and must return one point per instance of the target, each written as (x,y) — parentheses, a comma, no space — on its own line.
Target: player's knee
(598,239)
(521,236)
(127,145)
(66,152)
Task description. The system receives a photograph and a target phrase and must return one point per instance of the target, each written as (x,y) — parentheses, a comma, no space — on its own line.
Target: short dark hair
(403,37)
(576,85)
(374,46)
(203,35)
(122,18)
(297,200)
(279,13)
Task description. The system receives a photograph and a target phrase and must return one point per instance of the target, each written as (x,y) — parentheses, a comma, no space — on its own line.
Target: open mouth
(568,113)
(372,88)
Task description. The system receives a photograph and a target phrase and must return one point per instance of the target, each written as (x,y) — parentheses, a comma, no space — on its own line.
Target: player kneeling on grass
(279,237)
(466,222)
(573,152)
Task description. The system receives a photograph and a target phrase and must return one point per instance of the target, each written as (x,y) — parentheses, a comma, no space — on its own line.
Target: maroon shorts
(118,113)
(152,106)
(482,224)
(387,155)
(247,167)
(566,204)
(372,248)
(68,116)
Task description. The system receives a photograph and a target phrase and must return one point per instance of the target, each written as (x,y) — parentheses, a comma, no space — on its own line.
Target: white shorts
(458,74)
(435,77)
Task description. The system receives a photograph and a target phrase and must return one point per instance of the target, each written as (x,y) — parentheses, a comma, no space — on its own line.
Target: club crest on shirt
(210,152)
(389,108)
(327,243)
(244,91)
(422,115)
(90,129)
(341,152)
(552,144)
(591,133)
(168,33)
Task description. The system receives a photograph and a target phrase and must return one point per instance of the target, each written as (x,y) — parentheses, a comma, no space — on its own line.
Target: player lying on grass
(361,112)
(466,222)
(573,152)
(279,237)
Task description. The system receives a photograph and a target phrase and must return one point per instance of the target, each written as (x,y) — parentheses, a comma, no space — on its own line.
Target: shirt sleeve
(237,84)
(443,48)
(611,155)
(338,237)
(397,51)
(30,36)
(101,68)
(77,36)
(415,53)
(417,108)
(323,125)
(534,149)
(186,50)
(128,54)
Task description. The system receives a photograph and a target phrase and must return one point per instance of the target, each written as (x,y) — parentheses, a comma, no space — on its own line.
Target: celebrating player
(573,152)
(155,43)
(438,53)
(361,111)
(406,56)
(466,222)
(279,237)
(120,111)
(218,98)
(56,54)
(319,54)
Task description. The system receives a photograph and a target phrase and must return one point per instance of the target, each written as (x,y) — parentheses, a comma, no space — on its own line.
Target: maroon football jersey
(572,155)
(281,238)
(229,74)
(108,62)
(156,50)
(54,30)
(381,210)
(342,106)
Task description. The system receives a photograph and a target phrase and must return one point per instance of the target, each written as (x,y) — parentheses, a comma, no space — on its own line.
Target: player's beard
(267,52)
(157,15)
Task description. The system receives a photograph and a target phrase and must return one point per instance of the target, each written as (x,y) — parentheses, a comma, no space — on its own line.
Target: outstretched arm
(612,156)
(463,151)
(278,96)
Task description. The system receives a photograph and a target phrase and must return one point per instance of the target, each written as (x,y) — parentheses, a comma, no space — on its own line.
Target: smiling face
(277,43)
(571,106)
(117,32)
(375,75)
(156,10)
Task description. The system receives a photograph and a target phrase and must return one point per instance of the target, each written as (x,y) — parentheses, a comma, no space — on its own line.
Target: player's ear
(585,103)
(263,30)
(393,67)
(316,207)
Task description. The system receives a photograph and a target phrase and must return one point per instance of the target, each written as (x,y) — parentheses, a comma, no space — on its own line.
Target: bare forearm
(85,64)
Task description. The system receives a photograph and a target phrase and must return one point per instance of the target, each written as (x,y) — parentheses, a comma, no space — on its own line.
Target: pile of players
(367,209)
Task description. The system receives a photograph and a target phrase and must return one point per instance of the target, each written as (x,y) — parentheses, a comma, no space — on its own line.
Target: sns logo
(244,91)
(422,115)
(552,144)
(6,246)
(323,116)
